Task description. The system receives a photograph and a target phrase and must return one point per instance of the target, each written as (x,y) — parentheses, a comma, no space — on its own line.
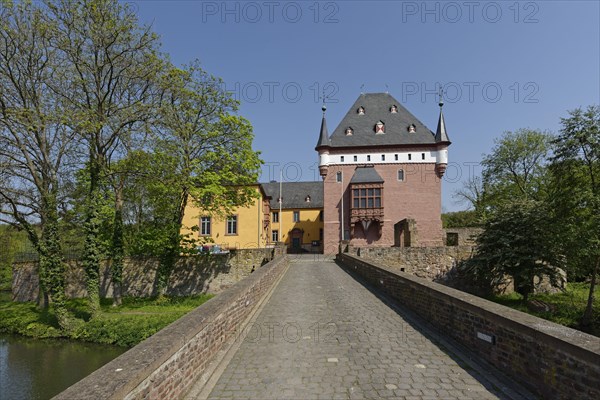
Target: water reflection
(40,369)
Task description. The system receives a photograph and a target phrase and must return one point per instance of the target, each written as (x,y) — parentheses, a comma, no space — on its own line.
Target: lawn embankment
(565,308)
(126,325)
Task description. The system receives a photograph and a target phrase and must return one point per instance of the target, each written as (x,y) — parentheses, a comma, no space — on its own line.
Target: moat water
(40,369)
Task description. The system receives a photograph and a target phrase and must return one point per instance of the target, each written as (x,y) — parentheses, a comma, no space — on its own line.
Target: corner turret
(323,146)
(442,141)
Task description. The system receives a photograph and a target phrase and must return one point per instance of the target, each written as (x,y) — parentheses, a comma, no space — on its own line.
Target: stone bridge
(305,327)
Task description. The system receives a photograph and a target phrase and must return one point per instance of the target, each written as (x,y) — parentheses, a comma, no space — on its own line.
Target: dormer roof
(366,175)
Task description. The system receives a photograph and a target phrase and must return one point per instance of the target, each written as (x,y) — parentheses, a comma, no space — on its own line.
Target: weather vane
(323,96)
(361,88)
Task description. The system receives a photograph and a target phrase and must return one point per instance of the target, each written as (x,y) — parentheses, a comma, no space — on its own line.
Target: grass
(127,325)
(568,306)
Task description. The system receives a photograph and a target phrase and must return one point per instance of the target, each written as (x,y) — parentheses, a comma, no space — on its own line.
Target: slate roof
(366,175)
(324,134)
(377,108)
(440,134)
(294,194)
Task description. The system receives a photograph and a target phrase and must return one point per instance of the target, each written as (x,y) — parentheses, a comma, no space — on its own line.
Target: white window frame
(205,225)
(231,225)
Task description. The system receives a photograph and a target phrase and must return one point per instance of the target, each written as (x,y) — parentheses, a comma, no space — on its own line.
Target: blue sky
(505,65)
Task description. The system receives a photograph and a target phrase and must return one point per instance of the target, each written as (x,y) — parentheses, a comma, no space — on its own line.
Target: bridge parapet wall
(553,361)
(165,365)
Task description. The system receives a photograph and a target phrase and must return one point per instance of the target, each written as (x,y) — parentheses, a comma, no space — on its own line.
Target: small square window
(422,156)
(383,157)
(409,157)
(368,158)
(401,175)
(355,158)
(338,176)
(341,158)
(396,157)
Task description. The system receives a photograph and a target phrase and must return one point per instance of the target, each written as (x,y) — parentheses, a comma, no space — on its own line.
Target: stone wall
(439,264)
(553,361)
(433,263)
(464,236)
(417,197)
(167,364)
(206,273)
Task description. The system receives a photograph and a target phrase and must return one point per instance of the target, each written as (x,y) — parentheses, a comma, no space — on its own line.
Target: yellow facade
(247,232)
(304,232)
(254,224)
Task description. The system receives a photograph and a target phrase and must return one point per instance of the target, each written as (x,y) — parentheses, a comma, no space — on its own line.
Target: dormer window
(379,127)
(307,199)
(360,110)
(412,128)
(349,131)
(394,109)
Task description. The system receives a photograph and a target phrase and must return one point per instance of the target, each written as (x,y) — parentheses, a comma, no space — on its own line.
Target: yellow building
(242,229)
(299,223)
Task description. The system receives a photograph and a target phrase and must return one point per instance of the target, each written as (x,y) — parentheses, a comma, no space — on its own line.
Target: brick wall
(553,361)
(167,364)
(207,273)
(418,197)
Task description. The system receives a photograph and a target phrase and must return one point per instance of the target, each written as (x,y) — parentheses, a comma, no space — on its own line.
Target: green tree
(126,172)
(575,195)
(110,63)
(516,167)
(473,194)
(461,219)
(34,142)
(518,240)
(205,151)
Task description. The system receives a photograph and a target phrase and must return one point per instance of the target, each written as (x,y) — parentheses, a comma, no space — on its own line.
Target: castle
(381,170)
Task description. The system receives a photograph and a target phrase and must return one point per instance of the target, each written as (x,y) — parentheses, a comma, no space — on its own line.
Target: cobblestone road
(322,335)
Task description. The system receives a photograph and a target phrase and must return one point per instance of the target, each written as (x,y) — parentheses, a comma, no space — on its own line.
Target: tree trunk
(43,302)
(117,246)
(53,265)
(586,320)
(92,254)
